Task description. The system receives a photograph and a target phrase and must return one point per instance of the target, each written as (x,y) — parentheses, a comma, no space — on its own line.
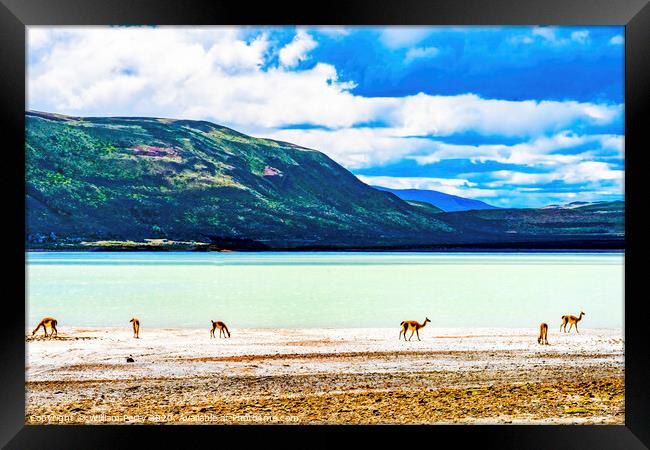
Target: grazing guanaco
(572,320)
(47,322)
(412,325)
(136,327)
(222,328)
(543,334)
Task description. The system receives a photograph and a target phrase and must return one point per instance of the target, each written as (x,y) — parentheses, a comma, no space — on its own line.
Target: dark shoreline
(523,247)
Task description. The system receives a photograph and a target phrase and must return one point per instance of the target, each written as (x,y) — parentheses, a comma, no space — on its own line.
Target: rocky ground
(325,376)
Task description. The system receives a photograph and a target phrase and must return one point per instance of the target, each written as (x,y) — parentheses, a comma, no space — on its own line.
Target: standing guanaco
(572,320)
(136,327)
(412,325)
(222,328)
(47,322)
(543,334)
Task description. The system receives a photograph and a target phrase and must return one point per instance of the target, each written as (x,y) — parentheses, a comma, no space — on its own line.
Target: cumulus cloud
(240,55)
(420,53)
(584,172)
(547,33)
(235,77)
(333,31)
(363,147)
(541,151)
(131,71)
(38,37)
(423,114)
(617,40)
(355,147)
(217,74)
(296,50)
(551,36)
(397,37)
(580,36)
(521,39)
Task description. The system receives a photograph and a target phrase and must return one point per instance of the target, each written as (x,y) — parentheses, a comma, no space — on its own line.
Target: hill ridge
(174,180)
(165,178)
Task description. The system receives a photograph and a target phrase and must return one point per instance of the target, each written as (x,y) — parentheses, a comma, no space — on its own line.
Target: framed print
(377,214)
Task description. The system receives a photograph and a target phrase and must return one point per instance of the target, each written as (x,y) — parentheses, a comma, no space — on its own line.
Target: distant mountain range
(574,205)
(142,183)
(445,202)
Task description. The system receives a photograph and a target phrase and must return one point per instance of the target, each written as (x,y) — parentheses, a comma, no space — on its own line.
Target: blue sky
(514,116)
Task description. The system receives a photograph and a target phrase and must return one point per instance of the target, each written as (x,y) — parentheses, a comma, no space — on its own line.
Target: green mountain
(137,178)
(188,182)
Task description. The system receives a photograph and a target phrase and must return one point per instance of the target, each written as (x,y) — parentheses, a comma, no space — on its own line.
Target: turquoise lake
(328,290)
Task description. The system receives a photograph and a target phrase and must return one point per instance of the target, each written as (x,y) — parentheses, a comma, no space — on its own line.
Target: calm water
(324,289)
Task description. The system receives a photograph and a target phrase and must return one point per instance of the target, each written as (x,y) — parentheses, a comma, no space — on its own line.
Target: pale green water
(324,289)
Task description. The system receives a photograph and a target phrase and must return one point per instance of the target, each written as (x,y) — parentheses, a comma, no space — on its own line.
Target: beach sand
(298,376)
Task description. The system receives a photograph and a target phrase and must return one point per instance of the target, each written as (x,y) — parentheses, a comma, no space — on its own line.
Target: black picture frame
(15,15)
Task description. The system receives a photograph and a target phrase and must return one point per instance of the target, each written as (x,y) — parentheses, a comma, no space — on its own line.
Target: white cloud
(617,40)
(541,151)
(421,53)
(584,172)
(130,71)
(218,74)
(365,147)
(550,36)
(215,74)
(581,36)
(423,114)
(399,37)
(547,33)
(333,31)
(37,37)
(355,147)
(521,39)
(240,55)
(296,50)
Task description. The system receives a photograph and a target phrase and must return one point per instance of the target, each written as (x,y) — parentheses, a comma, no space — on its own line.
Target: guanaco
(47,322)
(136,327)
(222,328)
(543,334)
(572,320)
(412,325)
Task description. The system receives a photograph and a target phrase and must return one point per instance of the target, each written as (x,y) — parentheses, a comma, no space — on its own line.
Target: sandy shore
(325,376)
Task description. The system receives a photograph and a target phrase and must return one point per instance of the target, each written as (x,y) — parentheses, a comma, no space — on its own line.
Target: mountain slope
(446,202)
(131,179)
(425,205)
(138,178)
(601,221)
